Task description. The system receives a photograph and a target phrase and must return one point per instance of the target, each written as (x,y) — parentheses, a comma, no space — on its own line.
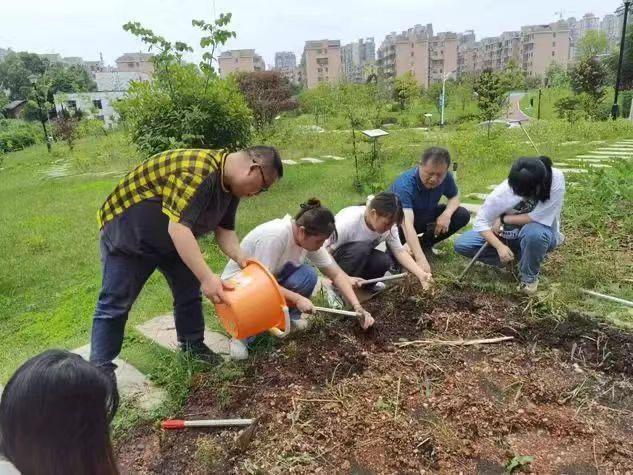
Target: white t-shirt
(351,226)
(7,468)
(503,200)
(273,244)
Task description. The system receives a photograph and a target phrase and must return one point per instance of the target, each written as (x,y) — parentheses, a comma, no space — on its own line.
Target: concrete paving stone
(492,187)
(573,142)
(289,162)
(311,160)
(162,331)
(587,160)
(333,157)
(600,157)
(561,164)
(574,170)
(613,154)
(132,383)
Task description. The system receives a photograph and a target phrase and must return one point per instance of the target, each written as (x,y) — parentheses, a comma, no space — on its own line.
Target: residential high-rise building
(243,60)
(609,25)
(358,59)
(286,64)
(321,61)
(443,57)
(542,45)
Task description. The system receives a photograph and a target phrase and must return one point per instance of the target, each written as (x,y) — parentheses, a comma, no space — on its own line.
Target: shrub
(18,134)
(65,128)
(188,110)
(91,127)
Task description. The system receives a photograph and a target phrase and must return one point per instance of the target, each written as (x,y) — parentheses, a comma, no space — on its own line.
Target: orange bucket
(255,304)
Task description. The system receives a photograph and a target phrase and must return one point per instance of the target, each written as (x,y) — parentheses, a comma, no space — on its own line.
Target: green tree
(318,101)
(589,76)
(186,105)
(491,95)
(557,76)
(626,81)
(4,101)
(59,78)
(406,89)
(15,70)
(592,44)
(513,77)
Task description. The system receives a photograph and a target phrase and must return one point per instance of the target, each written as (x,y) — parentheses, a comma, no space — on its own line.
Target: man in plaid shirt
(152,221)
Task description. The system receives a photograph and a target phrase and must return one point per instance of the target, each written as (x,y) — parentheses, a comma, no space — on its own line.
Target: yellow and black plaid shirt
(172,176)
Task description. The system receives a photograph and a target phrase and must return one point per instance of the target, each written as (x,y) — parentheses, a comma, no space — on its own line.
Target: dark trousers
(425,223)
(362,259)
(123,278)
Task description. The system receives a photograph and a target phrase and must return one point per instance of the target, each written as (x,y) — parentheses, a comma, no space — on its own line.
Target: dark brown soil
(340,400)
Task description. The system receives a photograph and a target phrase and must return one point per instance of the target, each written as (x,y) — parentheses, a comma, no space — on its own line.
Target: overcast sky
(86,28)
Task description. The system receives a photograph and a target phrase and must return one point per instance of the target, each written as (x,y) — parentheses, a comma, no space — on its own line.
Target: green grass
(49,255)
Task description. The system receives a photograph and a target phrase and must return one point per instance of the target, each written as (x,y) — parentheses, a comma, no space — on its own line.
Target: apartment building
(321,62)
(286,64)
(542,45)
(358,60)
(135,63)
(404,52)
(442,56)
(240,60)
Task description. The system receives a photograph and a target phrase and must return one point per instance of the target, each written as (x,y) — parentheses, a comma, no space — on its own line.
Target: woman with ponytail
(283,245)
(520,218)
(361,228)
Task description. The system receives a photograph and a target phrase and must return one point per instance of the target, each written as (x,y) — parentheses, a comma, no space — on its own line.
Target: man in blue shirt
(420,190)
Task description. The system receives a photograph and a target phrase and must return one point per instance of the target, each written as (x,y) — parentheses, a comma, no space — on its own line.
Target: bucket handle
(276,331)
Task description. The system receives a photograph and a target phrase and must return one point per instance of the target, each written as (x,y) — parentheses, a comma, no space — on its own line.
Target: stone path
(599,158)
(313,160)
(132,383)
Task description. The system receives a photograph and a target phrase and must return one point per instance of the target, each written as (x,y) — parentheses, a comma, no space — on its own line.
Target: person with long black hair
(283,245)
(519,219)
(360,229)
(54,417)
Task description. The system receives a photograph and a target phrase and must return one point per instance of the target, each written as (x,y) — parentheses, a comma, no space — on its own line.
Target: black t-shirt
(142,229)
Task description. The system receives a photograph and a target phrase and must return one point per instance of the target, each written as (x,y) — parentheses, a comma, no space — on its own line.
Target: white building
(96,105)
(118,80)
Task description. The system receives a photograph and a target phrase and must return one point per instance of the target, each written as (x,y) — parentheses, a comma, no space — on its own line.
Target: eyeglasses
(265,185)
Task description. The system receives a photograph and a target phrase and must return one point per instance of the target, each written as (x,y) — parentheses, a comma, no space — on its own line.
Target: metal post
(39,105)
(615,107)
(538,113)
(443,100)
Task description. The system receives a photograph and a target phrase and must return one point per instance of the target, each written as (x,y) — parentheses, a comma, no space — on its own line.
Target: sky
(87,28)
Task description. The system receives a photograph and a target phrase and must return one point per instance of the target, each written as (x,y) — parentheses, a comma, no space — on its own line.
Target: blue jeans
(123,278)
(534,242)
(300,279)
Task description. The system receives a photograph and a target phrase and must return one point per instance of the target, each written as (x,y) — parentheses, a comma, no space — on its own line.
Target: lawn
(49,257)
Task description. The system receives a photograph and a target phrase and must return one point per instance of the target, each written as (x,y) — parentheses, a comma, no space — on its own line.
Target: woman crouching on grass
(54,417)
(521,218)
(283,245)
(361,228)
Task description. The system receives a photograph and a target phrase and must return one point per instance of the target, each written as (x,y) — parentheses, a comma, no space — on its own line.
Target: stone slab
(562,164)
(132,383)
(601,157)
(574,170)
(333,157)
(289,162)
(162,331)
(618,148)
(311,160)
(587,160)
(491,187)
(613,154)
(573,142)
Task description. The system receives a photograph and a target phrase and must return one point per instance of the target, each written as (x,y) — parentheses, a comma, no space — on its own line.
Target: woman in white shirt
(283,245)
(521,218)
(361,228)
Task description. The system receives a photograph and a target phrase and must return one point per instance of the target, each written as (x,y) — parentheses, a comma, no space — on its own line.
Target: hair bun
(311,204)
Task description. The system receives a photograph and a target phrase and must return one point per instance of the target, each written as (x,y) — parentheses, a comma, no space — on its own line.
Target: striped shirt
(173,177)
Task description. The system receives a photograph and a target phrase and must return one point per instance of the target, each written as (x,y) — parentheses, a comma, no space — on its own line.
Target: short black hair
(531,177)
(54,416)
(388,205)
(436,154)
(268,157)
(317,220)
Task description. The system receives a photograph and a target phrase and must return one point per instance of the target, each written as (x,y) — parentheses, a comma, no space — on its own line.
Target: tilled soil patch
(340,400)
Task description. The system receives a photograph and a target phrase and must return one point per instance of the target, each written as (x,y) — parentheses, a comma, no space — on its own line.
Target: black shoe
(201,352)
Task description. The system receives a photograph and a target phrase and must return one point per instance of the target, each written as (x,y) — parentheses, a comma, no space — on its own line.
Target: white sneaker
(299,324)
(237,350)
(528,288)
